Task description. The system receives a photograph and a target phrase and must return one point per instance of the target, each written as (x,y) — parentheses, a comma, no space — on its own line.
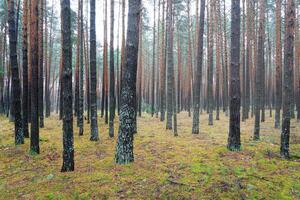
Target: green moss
(165,167)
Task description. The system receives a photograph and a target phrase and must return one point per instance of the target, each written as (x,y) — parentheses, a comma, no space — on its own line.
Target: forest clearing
(166,167)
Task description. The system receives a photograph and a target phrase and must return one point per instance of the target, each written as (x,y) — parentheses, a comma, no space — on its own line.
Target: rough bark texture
(259,71)
(287,77)
(112,101)
(278,63)
(210,64)
(234,141)
(153,63)
(68,148)
(163,68)
(25,71)
(198,76)
(170,65)
(16,87)
(34,25)
(124,148)
(81,93)
(93,74)
(41,62)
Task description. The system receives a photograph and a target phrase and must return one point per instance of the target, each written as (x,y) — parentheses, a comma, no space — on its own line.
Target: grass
(166,167)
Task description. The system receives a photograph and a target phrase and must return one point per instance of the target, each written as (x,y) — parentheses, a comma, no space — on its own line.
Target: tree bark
(16,87)
(68,147)
(234,141)
(124,148)
(287,78)
(198,77)
(93,74)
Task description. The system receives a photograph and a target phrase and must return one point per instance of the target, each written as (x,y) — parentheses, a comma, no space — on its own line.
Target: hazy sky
(148,4)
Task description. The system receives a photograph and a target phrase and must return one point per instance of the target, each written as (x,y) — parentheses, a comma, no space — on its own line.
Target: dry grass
(166,167)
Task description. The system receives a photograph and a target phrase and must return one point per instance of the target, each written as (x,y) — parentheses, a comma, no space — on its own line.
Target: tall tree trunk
(77,70)
(210,64)
(93,74)
(218,59)
(153,63)
(104,102)
(34,47)
(112,103)
(225,81)
(81,94)
(16,87)
(287,78)
(25,71)
(41,63)
(259,70)
(124,148)
(163,67)
(278,63)
(234,141)
(170,64)
(68,147)
(198,77)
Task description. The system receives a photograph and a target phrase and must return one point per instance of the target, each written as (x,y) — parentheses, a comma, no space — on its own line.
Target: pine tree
(287,78)
(68,147)
(198,76)
(93,74)
(16,87)
(34,46)
(234,141)
(124,148)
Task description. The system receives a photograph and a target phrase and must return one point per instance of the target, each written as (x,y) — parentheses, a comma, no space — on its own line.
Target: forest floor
(166,167)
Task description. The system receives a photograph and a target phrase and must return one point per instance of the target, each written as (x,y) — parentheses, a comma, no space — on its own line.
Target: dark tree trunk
(210,65)
(93,74)
(278,60)
(68,148)
(259,71)
(34,46)
(234,141)
(112,103)
(25,71)
(153,63)
(80,102)
(16,87)
(41,63)
(225,81)
(170,64)
(198,77)
(287,78)
(163,68)
(124,148)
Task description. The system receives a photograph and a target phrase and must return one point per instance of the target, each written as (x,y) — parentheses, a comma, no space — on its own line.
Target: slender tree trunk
(34,46)
(153,63)
(25,71)
(81,94)
(93,74)
(210,64)
(41,63)
(287,78)
(278,62)
(198,77)
(170,64)
(259,71)
(234,141)
(16,87)
(225,82)
(68,147)
(163,67)
(112,103)
(124,148)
